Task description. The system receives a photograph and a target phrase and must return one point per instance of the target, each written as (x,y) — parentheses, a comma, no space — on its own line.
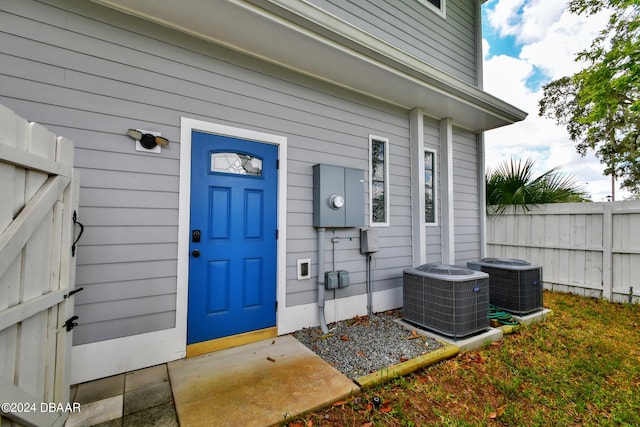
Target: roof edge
(315,19)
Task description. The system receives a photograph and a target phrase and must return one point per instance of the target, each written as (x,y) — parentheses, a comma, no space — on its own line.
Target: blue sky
(505,44)
(509,45)
(528,43)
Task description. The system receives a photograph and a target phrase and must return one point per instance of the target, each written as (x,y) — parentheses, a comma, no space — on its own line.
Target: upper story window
(379,180)
(439,6)
(430,194)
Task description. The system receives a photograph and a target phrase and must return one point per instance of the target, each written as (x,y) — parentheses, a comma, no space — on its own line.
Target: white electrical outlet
(304,269)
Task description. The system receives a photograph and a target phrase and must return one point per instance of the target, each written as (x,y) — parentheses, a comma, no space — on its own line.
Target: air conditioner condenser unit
(514,285)
(447,299)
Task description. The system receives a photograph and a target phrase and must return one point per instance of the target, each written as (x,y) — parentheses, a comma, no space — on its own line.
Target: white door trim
(187,126)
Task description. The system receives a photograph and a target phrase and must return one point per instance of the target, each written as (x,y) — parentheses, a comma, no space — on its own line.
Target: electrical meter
(336,202)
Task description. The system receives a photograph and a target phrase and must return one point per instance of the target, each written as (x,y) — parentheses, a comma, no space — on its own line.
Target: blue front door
(232,269)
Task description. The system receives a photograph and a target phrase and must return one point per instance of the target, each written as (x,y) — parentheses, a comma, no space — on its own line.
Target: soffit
(298,35)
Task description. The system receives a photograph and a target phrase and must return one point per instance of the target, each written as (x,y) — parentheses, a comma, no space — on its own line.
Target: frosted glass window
(236,163)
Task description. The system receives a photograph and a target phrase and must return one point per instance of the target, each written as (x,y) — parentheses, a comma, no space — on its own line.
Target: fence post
(607,251)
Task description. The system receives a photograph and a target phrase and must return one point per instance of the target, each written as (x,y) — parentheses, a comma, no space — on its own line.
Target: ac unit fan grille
(453,308)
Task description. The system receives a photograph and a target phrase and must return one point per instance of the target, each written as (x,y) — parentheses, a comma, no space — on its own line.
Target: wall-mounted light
(148,140)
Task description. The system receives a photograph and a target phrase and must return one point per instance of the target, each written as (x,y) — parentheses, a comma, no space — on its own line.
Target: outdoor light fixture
(147,139)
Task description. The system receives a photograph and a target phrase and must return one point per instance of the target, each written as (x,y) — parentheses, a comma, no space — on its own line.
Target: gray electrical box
(368,241)
(331,280)
(343,278)
(338,196)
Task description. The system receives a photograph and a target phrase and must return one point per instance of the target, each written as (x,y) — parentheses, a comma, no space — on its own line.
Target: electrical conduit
(321,241)
(369,291)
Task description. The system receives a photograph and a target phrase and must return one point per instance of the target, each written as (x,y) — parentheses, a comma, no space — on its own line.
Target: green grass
(581,366)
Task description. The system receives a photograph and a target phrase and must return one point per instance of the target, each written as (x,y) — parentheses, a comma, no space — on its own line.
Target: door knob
(195,253)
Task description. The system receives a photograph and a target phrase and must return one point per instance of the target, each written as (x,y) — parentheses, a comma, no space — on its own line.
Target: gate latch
(71,323)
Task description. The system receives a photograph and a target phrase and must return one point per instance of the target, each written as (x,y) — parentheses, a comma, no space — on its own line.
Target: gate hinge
(71,323)
(276,305)
(276,234)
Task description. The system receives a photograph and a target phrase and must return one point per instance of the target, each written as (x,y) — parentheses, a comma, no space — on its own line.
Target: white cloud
(555,52)
(537,17)
(526,21)
(505,77)
(505,17)
(551,37)
(485,48)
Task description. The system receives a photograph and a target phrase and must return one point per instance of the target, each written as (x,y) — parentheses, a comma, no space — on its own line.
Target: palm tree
(512,183)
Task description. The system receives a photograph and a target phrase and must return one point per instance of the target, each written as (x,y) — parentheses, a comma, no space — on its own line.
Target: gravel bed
(366,344)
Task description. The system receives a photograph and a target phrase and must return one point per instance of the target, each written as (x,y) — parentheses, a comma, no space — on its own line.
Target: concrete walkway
(258,384)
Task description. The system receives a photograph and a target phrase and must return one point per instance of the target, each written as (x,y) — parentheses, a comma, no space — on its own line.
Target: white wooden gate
(38,198)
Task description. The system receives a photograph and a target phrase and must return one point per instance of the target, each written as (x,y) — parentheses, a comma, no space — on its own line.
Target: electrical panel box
(338,196)
(369,241)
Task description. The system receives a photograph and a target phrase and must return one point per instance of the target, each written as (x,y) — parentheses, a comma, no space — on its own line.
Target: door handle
(195,253)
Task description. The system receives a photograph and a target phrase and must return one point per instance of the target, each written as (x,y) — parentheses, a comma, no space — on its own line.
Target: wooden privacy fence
(592,249)
(38,197)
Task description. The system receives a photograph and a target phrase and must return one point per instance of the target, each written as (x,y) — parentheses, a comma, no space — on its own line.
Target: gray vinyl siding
(395,253)
(466,196)
(90,73)
(446,43)
(395,240)
(433,233)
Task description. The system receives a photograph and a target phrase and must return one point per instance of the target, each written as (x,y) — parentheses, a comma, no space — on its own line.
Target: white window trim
(387,209)
(434,186)
(442,11)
